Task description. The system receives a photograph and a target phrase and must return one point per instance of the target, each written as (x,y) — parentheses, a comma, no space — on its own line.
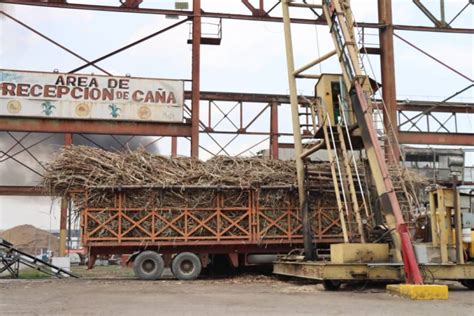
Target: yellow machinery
(328,90)
(442,253)
(342,114)
(450,229)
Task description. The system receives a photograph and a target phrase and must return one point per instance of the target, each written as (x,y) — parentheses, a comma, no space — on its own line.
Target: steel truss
(222,108)
(419,121)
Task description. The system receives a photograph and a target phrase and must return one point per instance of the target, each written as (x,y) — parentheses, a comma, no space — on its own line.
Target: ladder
(350,165)
(345,174)
(336,171)
(339,18)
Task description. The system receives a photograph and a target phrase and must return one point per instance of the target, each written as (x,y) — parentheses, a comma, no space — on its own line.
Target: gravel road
(240,295)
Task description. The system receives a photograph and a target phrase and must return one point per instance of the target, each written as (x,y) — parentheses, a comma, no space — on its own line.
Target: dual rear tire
(186,266)
(149,265)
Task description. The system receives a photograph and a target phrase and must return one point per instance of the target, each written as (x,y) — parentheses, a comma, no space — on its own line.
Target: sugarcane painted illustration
(48,108)
(114,110)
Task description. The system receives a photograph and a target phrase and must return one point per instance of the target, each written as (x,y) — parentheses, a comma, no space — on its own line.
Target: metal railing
(437,175)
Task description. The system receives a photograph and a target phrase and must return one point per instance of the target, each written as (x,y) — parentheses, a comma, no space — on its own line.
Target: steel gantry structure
(419,122)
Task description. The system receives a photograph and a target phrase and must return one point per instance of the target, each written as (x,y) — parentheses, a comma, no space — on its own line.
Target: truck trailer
(187,228)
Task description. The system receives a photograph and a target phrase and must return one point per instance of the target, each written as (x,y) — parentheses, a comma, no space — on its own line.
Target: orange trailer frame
(221,229)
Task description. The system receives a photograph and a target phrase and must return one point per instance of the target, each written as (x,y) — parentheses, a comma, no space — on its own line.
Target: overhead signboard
(77,96)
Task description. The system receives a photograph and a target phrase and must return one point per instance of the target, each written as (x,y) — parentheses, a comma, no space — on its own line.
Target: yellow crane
(352,103)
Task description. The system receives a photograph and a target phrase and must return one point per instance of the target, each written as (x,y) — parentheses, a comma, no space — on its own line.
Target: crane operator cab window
(335,93)
(329,90)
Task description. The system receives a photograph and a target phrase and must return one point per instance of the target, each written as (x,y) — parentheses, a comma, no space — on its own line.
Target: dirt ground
(101,293)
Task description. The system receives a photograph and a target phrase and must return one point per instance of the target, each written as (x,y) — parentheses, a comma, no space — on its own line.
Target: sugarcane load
(243,208)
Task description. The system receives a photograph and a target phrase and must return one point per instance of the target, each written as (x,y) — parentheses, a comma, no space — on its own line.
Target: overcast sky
(251,58)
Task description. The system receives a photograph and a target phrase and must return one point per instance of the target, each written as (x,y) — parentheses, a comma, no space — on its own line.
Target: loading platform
(390,272)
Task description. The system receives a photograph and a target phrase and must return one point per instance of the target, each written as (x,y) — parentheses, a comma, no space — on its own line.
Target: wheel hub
(148,265)
(187,266)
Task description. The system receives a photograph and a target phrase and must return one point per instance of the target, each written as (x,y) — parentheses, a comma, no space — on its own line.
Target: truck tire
(186,266)
(468,283)
(148,265)
(331,285)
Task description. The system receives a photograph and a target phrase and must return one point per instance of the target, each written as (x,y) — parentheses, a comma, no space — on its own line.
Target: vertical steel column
(274,130)
(457,223)
(63,214)
(293,101)
(195,76)
(442,12)
(174,146)
(307,238)
(387,62)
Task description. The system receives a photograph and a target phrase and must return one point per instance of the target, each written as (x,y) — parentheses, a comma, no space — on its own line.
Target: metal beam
(177,129)
(446,107)
(364,271)
(417,28)
(187,13)
(265,18)
(428,13)
(38,125)
(245,97)
(387,69)
(195,78)
(294,103)
(53,42)
(64,210)
(274,130)
(23,190)
(402,105)
(425,138)
(434,58)
(123,48)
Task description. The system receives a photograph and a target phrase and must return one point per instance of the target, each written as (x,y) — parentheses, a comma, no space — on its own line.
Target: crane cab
(333,108)
(328,91)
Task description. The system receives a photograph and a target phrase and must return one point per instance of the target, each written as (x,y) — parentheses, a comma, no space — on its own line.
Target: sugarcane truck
(342,114)
(236,226)
(189,238)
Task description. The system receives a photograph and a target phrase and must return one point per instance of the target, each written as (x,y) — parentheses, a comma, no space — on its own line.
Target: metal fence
(444,174)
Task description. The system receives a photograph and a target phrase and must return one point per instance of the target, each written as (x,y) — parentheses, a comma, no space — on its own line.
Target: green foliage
(29,273)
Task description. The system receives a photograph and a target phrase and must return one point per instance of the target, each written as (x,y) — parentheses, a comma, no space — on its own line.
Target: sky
(251,58)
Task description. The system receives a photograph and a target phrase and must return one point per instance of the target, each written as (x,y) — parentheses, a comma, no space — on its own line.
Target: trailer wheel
(148,265)
(468,283)
(331,285)
(186,266)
